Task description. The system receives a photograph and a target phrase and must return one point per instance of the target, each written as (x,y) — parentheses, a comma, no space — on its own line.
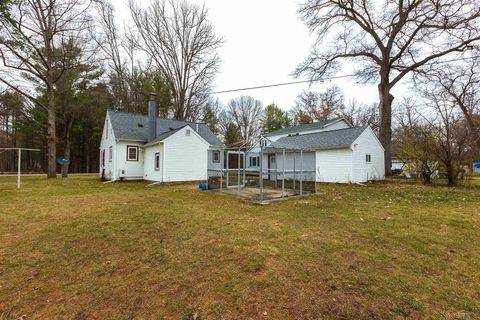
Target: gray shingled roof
(320,140)
(165,135)
(302,127)
(132,126)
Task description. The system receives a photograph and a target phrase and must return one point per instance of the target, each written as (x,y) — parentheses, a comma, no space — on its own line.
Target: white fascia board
(191,131)
(373,133)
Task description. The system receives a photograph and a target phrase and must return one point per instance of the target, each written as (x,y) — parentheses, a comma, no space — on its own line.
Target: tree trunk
(51,135)
(68,143)
(451,175)
(385,132)
(87,160)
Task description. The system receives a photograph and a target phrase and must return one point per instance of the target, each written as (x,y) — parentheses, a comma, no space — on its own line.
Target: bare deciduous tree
(318,106)
(182,42)
(460,85)
(389,40)
(416,143)
(246,112)
(435,136)
(110,41)
(36,38)
(359,114)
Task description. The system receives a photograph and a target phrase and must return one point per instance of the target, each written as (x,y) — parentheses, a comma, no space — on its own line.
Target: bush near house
(85,250)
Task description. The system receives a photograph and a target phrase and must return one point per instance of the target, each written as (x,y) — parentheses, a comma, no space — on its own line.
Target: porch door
(235,164)
(271,165)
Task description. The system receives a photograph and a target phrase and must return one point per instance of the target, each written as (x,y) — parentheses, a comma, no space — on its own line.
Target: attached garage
(346,155)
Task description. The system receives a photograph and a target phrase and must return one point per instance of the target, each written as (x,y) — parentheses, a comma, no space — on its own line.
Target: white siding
(335,126)
(214,166)
(149,163)
(308,165)
(367,143)
(133,170)
(108,140)
(334,165)
(186,157)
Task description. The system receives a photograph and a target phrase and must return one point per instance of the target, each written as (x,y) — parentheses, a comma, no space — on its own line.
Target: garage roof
(320,140)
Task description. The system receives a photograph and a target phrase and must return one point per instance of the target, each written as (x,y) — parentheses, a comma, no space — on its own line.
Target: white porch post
(18,169)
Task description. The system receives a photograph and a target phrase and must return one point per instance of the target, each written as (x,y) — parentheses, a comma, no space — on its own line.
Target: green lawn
(87,250)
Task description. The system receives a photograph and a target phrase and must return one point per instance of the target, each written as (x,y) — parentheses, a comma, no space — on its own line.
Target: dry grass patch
(91,251)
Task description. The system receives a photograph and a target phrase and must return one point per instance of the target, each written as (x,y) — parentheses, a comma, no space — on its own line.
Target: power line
(283,84)
(322,79)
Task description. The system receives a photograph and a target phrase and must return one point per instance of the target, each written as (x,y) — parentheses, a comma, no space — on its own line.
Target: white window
(132,153)
(216,156)
(187,133)
(368,158)
(254,161)
(157,161)
(110,154)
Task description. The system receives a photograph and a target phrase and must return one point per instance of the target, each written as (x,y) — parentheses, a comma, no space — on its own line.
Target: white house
(139,147)
(326,151)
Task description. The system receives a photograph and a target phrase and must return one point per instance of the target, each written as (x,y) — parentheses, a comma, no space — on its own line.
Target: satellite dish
(63,161)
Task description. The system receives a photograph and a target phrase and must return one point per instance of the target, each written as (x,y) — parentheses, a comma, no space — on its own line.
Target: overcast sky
(264,42)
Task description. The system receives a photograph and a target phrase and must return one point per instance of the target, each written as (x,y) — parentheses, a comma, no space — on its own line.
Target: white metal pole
(238,174)
(276,168)
(283,174)
(244,168)
(261,173)
(19,165)
(227,172)
(294,169)
(301,171)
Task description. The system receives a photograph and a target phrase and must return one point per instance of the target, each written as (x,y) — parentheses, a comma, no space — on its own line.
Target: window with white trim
(368,158)
(132,153)
(216,156)
(110,154)
(254,161)
(157,161)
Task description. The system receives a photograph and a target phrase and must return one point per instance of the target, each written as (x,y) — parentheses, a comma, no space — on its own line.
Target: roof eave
(130,140)
(346,146)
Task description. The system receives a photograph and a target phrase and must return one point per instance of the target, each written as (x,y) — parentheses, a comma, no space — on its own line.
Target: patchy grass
(121,251)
